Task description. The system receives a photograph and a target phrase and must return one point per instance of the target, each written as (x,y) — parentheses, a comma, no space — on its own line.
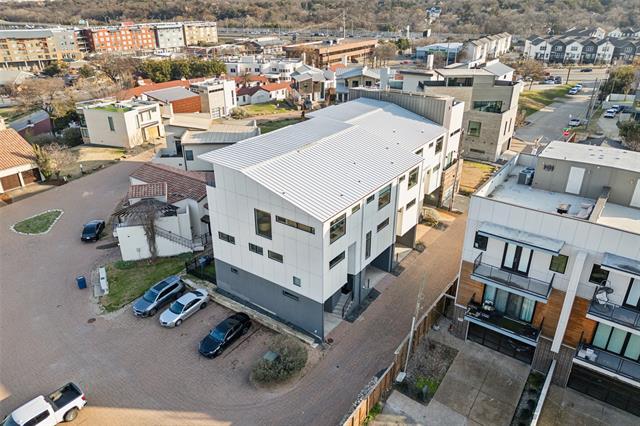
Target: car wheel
(71,415)
(204,305)
(178,323)
(245,330)
(152,312)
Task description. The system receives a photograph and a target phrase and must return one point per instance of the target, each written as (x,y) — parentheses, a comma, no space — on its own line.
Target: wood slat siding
(468,286)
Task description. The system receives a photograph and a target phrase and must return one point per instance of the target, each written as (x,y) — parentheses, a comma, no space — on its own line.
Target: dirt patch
(474,175)
(427,367)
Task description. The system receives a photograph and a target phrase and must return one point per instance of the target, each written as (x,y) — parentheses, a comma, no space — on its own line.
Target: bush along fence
(385,381)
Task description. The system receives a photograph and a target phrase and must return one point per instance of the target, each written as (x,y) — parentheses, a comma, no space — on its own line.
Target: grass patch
(128,280)
(474,175)
(270,126)
(534,100)
(39,223)
(267,108)
(373,413)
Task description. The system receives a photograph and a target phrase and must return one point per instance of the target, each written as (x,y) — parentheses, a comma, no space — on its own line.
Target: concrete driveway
(137,373)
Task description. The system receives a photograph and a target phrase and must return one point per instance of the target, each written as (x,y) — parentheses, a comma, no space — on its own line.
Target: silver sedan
(184,307)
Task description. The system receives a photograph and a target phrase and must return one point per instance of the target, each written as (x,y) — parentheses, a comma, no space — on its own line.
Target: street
(135,372)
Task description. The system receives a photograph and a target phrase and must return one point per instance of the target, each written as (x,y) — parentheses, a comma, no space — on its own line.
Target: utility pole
(592,104)
(344,24)
(568,73)
(413,321)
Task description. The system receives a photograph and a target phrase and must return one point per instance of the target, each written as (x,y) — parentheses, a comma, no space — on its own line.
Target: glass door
(509,304)
(617,341)
(632,299)
(516,258)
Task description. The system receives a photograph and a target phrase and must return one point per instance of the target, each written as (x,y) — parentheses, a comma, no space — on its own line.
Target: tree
(384,52)
(621,80)
(529,68)
(630,132)
(43,161)
(175,69)
(87,71)
(120,69)
(59,157)
(40,92)
(52,70)
(403,44)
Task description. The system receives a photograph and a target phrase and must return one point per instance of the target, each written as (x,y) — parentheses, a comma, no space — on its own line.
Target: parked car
(618,108)
(59,406)
(157,296)
(573,91)
(187,305)
(549,81)
(575,122)
(586,70)
(557,79)
(91,230)
(610,113)
(224,334)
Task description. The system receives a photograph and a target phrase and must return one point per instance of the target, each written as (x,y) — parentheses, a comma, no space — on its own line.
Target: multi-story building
(275,69)
(124,124)
(324,53)
(312,84)
(355,77)
(624,33)
(36,48)
(169,36)
(264,46)
(491,105)
(217,96)
(581,50)
(200,33)
(551,268)
(486,48)
(302,216)
(126,38)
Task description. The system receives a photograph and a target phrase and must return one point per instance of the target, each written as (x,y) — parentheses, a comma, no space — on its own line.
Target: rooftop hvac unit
(526,176)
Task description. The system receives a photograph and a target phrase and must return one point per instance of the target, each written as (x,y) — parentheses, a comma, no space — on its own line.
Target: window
(275,256)
(112,127)
(411,204)
(413,178)
(558,263)
(263,223)
(383,224)
(188,155)
(455,132)
(234,270)
(355,208)
(598,275)
(294,224)
(617,341)
(419,152)
(402,178)
(370,198)
(435,168)
(297,282)
(384,196)
(548,167)
(256,249)
(488,106)
(516,259)
(474,128)
(226,237)
(460,82)
(333,262)
(367,247)
(439,144)
(290,295)
(510,304)
(480,242)
(477,151)
(338,228)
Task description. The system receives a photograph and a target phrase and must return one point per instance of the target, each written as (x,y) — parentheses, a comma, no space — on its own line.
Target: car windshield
(176,307)
(9,422)
(150,296)
(88,229)
(217,334)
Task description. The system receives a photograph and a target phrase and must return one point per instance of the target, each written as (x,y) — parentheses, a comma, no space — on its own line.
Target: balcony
(614,313)
(514,283)
(518,330)
(620,366)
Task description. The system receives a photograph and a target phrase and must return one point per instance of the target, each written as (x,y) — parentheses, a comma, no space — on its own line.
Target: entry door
(635,200)
(516,258)
(632,299)
(576,174)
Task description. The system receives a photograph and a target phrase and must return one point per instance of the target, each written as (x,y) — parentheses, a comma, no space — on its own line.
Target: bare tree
(59,156)
(384,52)
(40,93)
(146,214)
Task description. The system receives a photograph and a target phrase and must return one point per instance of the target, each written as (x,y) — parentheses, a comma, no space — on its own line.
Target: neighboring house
(217,96)
(592,32)
(312,84)
(175,127)
(500,70)
(18,166)
(551,268)
(124,38)
(177,198)
(486,48)
(175,100)
(303,217)
(491,105)
(33,124)
(580,49)
(145,85)
(250,80)
(264,93)
(354,77)
(328,52)
(624,49)
(274,69)
(449,50)
(264,46)
(124,124)
(627,32)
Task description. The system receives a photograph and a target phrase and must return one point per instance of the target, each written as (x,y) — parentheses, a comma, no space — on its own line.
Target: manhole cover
(91,320)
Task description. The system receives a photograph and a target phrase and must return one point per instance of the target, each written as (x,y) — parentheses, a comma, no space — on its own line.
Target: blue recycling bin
(82,282)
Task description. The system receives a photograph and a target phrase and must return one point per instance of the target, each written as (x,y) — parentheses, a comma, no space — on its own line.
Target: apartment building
(217,96)
(169,36)
(551,268)
(486,48)
(123,124)
(37,48)
(300,216)
(491,105)
(322,54)
(200,32)
(275,69)
(126,38)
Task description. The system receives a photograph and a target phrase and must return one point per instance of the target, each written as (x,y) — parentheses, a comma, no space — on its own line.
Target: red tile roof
(137,91)
(181,184)
(148,190)
(276,86)
(14,150)
(334,67)
(261,78)
(248,90)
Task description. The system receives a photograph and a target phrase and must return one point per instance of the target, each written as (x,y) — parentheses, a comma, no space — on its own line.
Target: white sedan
(184,307)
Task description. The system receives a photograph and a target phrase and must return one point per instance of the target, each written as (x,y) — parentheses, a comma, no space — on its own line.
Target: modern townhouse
(593,32)
(198,33)
(120,123)
(625,50)
(626,32)
(355,77)
(217,96)
(551,268)
(301,217)
(486,48)
(580,50)
(264,46)
(491,105)
(312,84)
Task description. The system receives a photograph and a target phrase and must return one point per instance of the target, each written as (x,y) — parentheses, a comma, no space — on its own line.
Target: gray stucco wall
(303,313)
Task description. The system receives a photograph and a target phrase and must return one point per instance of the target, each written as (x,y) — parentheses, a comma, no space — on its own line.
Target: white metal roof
(590,154)
(498,68)
(339,156)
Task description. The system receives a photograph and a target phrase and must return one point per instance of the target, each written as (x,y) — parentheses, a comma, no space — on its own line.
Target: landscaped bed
(270,126)
(528,399)
(427,367)
(534,100)
(129,280)
(38,224)
(267,108)
(474,174)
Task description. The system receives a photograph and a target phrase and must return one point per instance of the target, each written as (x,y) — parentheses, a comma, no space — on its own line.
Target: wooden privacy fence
(385,382)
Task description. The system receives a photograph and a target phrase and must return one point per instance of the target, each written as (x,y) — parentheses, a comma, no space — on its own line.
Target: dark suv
(157,296)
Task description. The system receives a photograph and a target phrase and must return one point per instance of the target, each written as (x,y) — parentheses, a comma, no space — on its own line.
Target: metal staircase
(196,244)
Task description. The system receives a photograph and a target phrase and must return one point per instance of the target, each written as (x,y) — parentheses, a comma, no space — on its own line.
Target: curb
(12,227)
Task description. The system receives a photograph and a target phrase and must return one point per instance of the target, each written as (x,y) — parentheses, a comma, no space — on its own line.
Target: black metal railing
(202,266)
(511,279)
(608,361)
(506,325)
(615,313)
(347,305)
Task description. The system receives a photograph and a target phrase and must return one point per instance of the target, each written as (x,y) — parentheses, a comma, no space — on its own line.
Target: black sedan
(92,230)
(224,335)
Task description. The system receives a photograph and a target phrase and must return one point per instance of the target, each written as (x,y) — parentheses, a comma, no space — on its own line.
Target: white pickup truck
(61,405)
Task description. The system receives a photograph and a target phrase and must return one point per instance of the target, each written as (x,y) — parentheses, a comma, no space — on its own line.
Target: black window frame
(414,177)
(411,204)
(267,235)
(336,260)
(226,237)
(384,197)
(294,224)
(188,154)
(299,283)
(474,134)
(275,256)
(367,246)
(370,198)
(598,268)
(355,208)
(290,295)
(480,241)
(488,106)
(439,143)
(254,248)
(558,263)
(337,223)
(419,152)
(383,224)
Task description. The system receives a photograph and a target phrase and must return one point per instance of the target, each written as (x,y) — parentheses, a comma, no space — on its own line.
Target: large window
(516,258)
(488,106)
(413,178)
(481,242)
(367,246)
(333,262)
(112,127)
(474,128)
(263,223)
(275,256)
(383,224)
(338,228)
(598,275)
(384,196)
(460,81)
(617,341)
(294,224)
(509,304)
(439,144)
(188,155)
(559,263)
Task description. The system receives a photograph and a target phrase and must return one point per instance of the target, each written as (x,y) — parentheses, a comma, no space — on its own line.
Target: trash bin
(82,282)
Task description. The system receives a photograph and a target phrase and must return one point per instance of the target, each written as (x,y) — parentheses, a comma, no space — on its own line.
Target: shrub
(430,216)
(71,136)
(292,358)
(238,113)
